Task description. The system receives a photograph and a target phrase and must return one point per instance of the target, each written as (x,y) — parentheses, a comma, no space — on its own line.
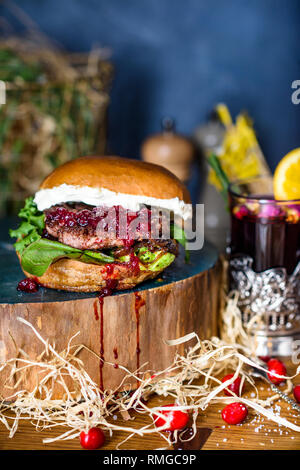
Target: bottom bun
(72,275)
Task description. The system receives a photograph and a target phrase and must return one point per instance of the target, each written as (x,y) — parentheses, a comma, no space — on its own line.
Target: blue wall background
(180,57)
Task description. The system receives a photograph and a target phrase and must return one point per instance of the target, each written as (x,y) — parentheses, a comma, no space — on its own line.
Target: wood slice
(129,329)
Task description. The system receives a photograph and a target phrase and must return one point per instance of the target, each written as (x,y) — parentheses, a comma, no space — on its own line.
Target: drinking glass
(265,263)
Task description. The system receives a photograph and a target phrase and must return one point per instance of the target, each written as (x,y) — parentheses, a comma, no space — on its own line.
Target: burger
(102,223)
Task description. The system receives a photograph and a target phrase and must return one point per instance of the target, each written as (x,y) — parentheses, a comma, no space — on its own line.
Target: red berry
(93,439)
(177,419)
(28,285)
(234,387)
(234,413)
(297,393)
(277,367)
(241,212)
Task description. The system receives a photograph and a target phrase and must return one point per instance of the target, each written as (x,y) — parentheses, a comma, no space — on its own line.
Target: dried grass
(191,382)
(46,121)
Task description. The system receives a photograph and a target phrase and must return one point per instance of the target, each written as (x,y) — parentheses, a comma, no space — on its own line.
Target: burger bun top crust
(121,175)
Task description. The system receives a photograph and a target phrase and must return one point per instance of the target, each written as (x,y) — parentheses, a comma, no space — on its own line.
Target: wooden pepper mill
(170,150)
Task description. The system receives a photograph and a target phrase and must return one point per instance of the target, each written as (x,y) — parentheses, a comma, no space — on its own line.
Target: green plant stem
(215,164)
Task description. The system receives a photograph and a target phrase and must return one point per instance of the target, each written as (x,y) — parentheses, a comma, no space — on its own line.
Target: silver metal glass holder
(273,298)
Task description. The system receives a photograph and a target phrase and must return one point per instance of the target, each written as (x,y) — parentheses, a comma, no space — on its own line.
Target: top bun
(120,175)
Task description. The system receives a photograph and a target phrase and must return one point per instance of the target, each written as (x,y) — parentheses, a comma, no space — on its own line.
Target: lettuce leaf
(31,228)
(161,263)
(178,234)
(150,260)
(145,255)
(32,215)
(23,243)
(39,255)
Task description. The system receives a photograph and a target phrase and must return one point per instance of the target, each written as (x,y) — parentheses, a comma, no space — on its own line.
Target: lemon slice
(287,177)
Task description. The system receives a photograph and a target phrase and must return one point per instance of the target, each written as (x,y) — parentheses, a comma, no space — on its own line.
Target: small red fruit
(296,392)
(234,387)
(28,285)
(234,413)
(274,365)
(93,439)
(177,419)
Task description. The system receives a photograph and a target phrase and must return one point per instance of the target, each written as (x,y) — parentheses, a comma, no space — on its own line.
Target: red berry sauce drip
(28,285)
(111,285)
(96,310)
(115,351)
(109,269)
(138,304)
(134,264)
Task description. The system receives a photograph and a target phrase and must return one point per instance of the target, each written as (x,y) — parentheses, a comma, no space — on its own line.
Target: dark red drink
(265,229)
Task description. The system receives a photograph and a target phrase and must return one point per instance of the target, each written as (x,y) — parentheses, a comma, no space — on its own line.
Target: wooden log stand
(128,328)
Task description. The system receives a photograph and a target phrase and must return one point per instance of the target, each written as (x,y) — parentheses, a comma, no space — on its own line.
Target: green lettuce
(154,261)
(145,255)
(161,263)
(177,233)
(151,261)
(39,255)
(31,227)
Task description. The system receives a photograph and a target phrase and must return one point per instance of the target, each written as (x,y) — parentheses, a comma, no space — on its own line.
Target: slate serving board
(11,274)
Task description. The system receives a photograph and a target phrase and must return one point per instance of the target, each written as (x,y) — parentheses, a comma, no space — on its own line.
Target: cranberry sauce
(109,288)
(138,304)
(111,285)
(269,233)
(115,221)
(133,266)
(115,351)
(28,285)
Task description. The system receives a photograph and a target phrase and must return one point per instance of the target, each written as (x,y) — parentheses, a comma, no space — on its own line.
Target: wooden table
(255,433)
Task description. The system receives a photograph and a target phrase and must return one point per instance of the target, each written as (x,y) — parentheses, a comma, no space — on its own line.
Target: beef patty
(95,228)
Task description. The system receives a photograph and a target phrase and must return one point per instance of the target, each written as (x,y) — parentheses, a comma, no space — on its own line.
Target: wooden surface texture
(255,433)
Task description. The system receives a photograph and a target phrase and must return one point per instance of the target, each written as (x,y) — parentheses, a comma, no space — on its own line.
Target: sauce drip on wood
(96,310)
(138,304)
(101,343)
(111,284)
(115,351)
